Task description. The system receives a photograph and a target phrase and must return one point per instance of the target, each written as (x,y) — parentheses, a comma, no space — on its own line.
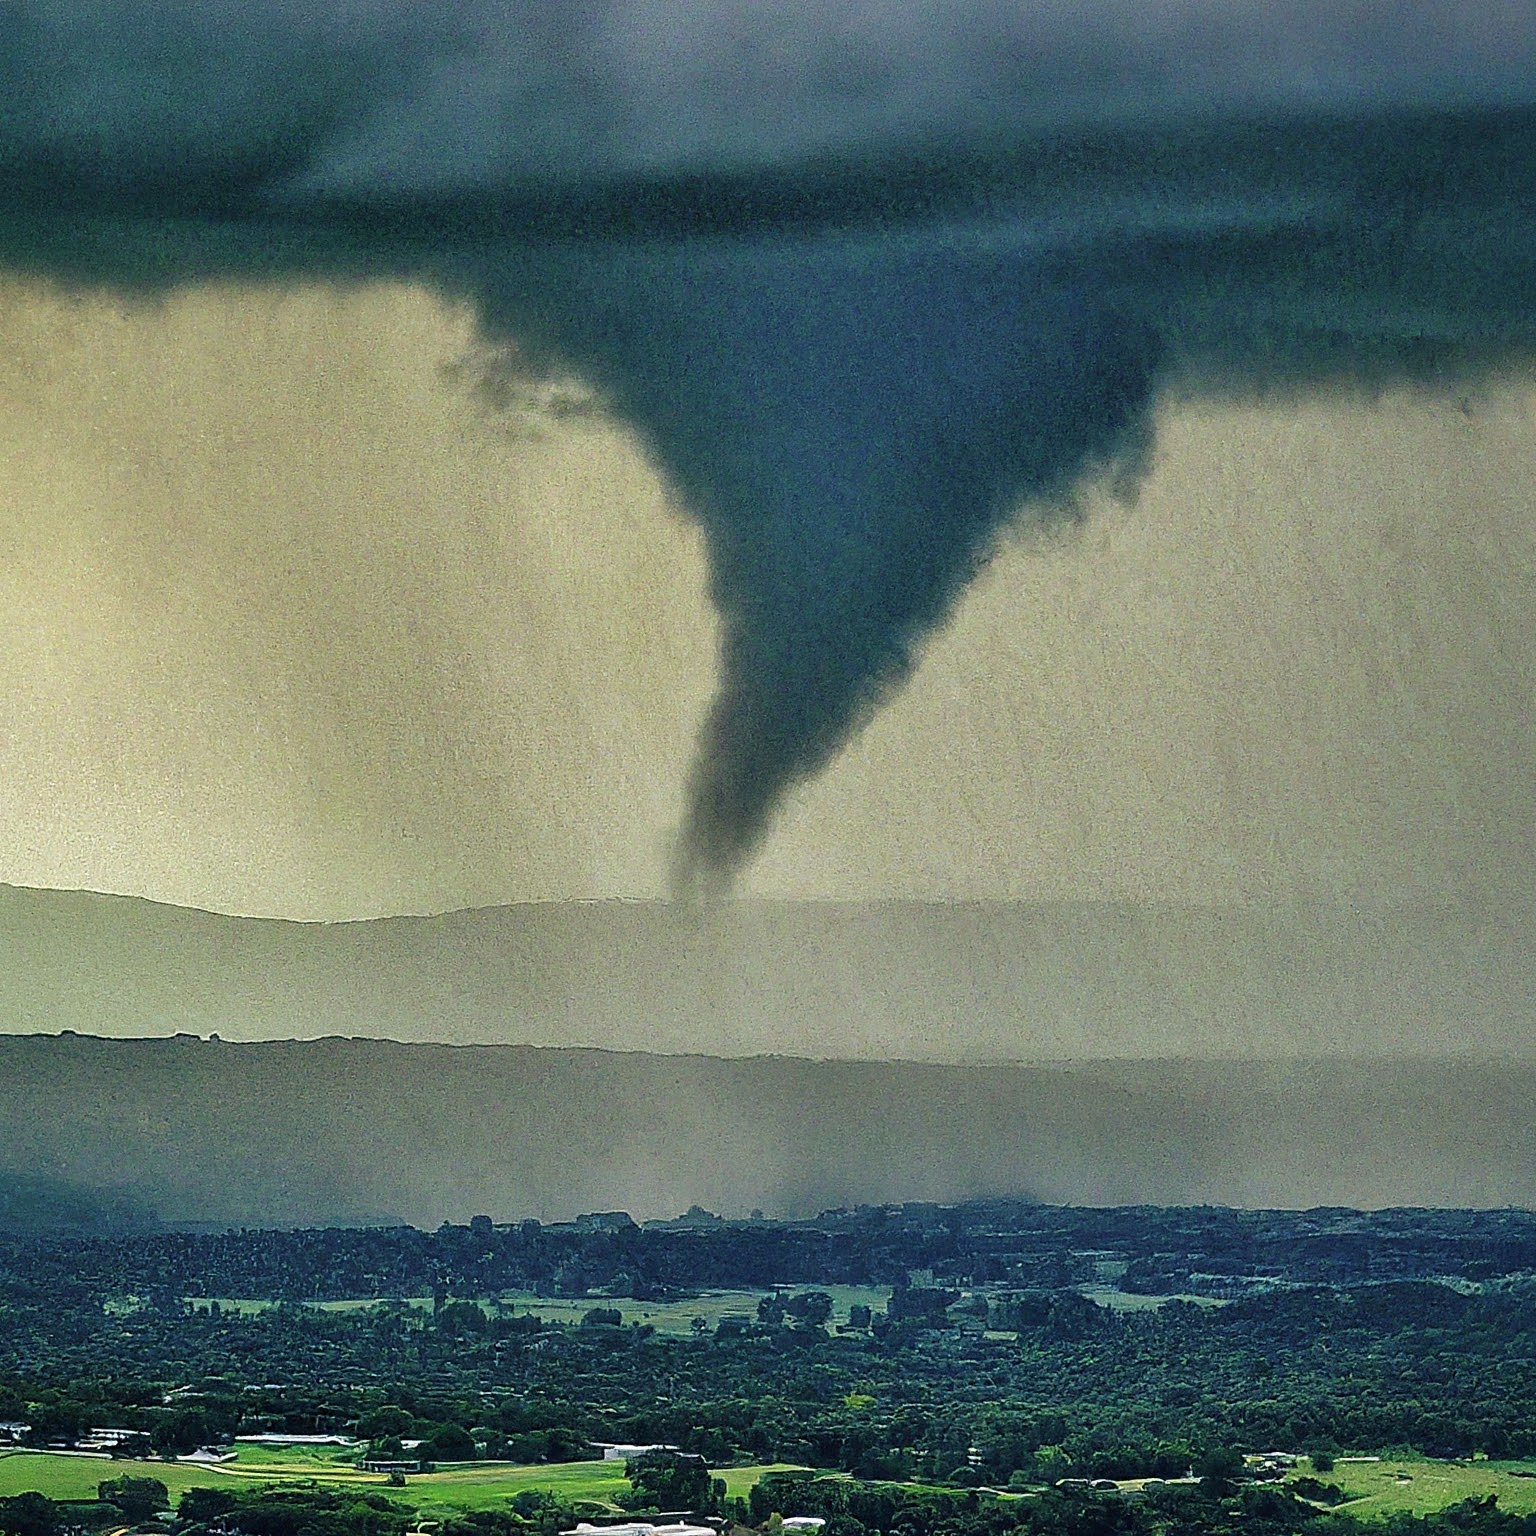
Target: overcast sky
(370,549)
(299,620)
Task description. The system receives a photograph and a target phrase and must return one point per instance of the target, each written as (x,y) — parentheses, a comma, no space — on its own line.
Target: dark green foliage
(1400,1360)
(386,1422)
(926,1304)
(1317,1492)
(671,1480)
(307,1511)
(1066,1314)
(449,1442)
(461,1319)
(200,1506)
(1219,1468)
(137,1497)
(30,1514)
(812,1308)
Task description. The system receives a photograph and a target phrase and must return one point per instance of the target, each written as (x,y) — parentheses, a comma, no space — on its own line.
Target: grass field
(739,1479)
(76,1477)
(676,1317)
(1375,1488)
(670,1317)
(461,1487)
(1378,1488)
(312,1460)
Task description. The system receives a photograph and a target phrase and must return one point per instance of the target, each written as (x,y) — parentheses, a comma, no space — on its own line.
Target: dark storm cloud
(865,278)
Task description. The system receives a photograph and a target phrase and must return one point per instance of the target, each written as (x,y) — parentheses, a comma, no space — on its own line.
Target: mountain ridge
(343,1132)
(920,981)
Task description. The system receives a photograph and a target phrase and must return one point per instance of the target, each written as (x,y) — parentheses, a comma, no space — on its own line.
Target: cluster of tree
(808,1309)
(137,1497)
(1009,1242)
(1216,1507)
(306,1511)
(534,1512)
(119,1500)
(672,1480)
(1040,1379)
(1080,1389)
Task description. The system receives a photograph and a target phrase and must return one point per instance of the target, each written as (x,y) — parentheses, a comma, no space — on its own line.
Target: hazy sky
(300,620)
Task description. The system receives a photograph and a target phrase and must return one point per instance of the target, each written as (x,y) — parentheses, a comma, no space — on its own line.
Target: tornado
(869,282)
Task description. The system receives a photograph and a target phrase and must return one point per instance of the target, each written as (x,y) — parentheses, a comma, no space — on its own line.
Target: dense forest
(994,1360)
(1214,1250)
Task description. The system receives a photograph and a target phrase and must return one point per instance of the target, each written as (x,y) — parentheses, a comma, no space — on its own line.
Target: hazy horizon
(344,1131)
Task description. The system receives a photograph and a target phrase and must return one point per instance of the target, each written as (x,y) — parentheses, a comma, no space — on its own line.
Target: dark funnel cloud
(894,418)
(850,422)
(868,281)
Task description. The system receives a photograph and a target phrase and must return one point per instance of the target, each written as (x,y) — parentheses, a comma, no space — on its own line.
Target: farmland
(479,1485)
(1004,1347)
(675,1318)
(1419,1486)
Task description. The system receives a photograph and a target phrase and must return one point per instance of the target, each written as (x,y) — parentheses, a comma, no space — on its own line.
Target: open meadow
(674,1318)
(1419,1486)
(461,1486)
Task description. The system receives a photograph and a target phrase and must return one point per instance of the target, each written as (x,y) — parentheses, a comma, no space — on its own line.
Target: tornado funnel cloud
(852,429)
(866,281)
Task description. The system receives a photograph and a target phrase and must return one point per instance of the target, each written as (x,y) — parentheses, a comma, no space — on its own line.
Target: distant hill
(31,1202)
(956,982)
(346,1131)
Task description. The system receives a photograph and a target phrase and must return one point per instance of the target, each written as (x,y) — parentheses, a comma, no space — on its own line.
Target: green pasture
(485,1485)
(676,1317)
(467,1485)
(738,1480)
(308,1460)
(1419,1487)
(669,1317)
(76,1477)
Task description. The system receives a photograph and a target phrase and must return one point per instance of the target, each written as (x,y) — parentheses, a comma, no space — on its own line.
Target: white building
(106,1439)
(346,1442)
(627,1452)
(639,1528)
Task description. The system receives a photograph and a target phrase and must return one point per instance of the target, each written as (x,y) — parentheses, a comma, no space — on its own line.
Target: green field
(465,1486)
(676,1317)
(1375,1488)
(76,1477)
(739,1479)
(670,1317)
(1378,1488)
(310,1460)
